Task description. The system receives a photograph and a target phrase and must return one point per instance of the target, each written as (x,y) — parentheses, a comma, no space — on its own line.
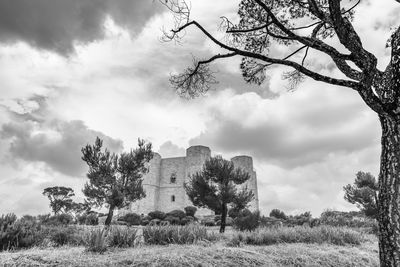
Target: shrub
(278,214)
(177,213)
(155,222)
(233,213)
(96,241)
(173,220)
(298,234)
(187,220)
(59,219)
(122,238)
(145,222)
(81,219)
(92,219)
(61,236)
(22,233)
(131,219)
(247,220)
(173,234)
(157,215)
(190,211)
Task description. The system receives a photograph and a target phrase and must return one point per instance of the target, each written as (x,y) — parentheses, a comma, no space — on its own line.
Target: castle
(164,182)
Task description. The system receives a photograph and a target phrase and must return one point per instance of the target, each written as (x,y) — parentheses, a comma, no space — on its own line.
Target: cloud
(55,142)
(293,130)
(58,25)
(169,150)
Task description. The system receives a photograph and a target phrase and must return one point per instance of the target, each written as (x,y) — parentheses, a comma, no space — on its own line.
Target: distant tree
(276,213)
(115,180)
(216,186)
(60,198)
(363,193)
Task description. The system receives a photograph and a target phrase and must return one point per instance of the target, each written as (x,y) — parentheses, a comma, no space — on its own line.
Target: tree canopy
(217,185)
(60,198)
(363,193)
(115,180)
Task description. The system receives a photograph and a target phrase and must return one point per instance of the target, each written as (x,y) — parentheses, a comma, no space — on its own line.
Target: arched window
(173,178)
(172,198)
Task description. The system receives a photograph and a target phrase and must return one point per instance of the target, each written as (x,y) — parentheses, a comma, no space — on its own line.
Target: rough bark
(388,203)
(109,216)
(223,218)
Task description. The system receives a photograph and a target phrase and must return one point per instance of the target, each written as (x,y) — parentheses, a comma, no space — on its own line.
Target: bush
(96,241)
(247,220)
(81,219)
(177,213)
(122,237)
(59,219)
(187,220)
(190,211)
(131,219)
(22,233)
(173,234)
(278,214)
(61,236)
(92,219)
(145,222)
(173,220)
(298,234)
(157,215)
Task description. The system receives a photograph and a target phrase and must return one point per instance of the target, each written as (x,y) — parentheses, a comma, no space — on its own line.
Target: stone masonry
(164,182)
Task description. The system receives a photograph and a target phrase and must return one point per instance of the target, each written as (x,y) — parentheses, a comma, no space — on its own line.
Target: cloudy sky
(73,70)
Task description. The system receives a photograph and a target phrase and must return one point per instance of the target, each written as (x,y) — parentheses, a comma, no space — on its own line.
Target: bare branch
(197,80)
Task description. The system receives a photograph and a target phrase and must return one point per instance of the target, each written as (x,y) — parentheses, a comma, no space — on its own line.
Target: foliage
(299,219)
(61,236)
(173,220)
(190,211)
(173,234)
(92,219)
(187,220)
(59,219)
(157,215)
(18,233)
(96,241)
(363,193)
(131,218)
(115,180)
(122,237)
(177,213)
(247,220)
(298,234)
(348,219)
(216,186)
(60,198)
(276,213)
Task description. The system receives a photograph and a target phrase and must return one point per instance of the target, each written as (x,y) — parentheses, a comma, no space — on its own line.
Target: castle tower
(246,163)
(195,158)
(151,186)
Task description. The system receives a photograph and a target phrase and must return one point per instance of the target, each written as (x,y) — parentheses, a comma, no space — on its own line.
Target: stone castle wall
(164,195)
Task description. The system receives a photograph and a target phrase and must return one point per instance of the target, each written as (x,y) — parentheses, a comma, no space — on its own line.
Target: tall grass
(173,234)
(96,240)
(323,234)
(123,237)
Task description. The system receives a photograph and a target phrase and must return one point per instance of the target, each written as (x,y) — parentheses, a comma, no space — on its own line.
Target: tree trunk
(109,216)
(223,218)
(388,202)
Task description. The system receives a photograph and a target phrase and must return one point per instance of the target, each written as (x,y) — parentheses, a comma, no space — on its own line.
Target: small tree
(216,186)
(276,213)
(60,198)
(115,180)
(363,193)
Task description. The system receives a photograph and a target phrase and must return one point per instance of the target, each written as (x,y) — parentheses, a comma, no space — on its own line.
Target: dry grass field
(203,253)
